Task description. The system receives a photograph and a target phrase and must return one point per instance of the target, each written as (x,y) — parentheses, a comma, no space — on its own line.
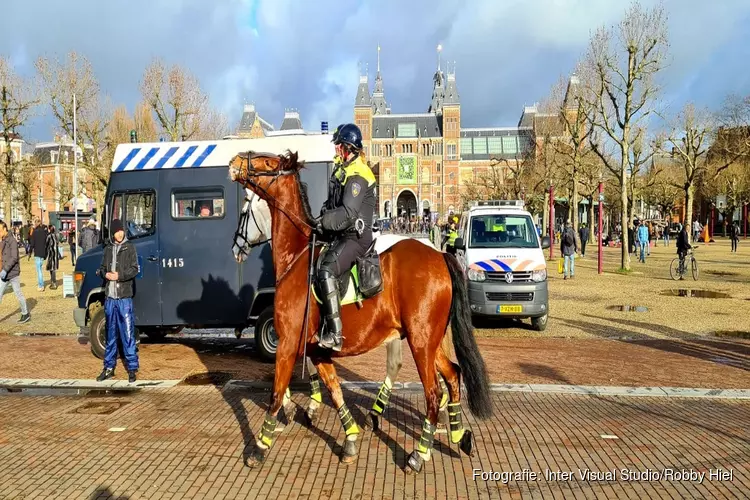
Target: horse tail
(470,359)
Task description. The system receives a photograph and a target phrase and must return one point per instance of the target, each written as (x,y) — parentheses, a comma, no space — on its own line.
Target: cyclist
(683,245)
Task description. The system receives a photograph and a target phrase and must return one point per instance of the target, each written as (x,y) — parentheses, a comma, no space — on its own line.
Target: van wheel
(539,324)
(266,340)
(97,330)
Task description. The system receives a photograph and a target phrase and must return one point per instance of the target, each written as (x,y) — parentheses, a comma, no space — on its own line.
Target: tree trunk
(8,199)
(689,196)
(625,254)
(574,206)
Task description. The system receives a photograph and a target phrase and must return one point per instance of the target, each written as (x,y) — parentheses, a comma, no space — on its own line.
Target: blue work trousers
(120,317)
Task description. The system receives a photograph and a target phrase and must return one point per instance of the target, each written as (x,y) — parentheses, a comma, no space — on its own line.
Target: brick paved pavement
(188,442)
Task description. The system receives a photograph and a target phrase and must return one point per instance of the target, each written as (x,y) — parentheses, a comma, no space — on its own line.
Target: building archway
(425,207)
(406,203)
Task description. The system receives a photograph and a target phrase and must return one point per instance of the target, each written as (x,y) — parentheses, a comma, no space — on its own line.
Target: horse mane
(290,161)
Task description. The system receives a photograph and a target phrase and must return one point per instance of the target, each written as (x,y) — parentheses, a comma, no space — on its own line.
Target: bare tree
(625,60)
(214,125)
(61,80)
(18,97)
(176,98)
(663,184)
(26,180)
(143,124)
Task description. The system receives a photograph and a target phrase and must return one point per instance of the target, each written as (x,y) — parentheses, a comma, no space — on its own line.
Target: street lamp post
(745,219)
(601,219)
(711,224)
(75,175)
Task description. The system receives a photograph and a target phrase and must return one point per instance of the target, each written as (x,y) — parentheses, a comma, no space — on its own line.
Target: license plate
(509,309)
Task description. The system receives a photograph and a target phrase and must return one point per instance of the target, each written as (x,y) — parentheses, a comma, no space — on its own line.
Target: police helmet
(336,133)
(349,134)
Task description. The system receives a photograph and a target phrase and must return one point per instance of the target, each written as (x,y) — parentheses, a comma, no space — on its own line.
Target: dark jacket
(351,196)
(11,264)
(39,242)
(568,244)
(88,239)
(584,234)
(53,252)
(126,267)
(734,231)
(682,241)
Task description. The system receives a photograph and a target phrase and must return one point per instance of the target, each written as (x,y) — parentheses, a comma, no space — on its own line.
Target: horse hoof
(372,421)
(414,463)
(257,458)
(466,443)
(350,452)
(311,416)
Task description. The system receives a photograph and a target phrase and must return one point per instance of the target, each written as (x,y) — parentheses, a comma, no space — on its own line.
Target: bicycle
(678,268)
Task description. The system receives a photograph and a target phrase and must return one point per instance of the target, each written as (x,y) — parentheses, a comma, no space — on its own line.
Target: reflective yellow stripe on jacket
(452,238)
(359,167)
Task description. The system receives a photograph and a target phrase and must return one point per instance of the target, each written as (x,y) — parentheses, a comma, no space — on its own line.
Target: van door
(137,210)
(200,278)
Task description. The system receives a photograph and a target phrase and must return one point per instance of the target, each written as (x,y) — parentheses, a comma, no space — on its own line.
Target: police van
(180,210)
(501,252)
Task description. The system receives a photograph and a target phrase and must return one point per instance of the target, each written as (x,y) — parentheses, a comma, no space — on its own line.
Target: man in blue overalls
(119,269)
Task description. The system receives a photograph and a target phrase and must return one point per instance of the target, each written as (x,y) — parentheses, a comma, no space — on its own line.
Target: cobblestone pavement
(188,442)
(693,362)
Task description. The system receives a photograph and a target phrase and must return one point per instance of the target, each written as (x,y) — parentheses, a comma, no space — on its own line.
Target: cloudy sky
(305,53)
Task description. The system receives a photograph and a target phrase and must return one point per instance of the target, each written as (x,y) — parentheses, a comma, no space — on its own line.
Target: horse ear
(293,157)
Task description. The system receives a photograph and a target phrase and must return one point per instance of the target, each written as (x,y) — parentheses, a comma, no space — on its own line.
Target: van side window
(205,203)
(137,212)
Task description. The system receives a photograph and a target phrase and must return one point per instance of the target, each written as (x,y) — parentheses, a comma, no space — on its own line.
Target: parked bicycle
(679,267)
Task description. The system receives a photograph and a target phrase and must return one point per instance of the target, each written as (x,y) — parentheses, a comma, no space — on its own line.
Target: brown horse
(423,291)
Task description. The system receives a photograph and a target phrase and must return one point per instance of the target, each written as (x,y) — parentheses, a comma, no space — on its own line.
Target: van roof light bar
(497,203)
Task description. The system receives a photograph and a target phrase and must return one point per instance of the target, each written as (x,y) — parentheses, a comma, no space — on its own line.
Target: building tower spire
(439,50)
(379,106)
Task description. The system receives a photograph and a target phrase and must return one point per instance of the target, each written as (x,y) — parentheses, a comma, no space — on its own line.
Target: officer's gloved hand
(3,275)
(318,226)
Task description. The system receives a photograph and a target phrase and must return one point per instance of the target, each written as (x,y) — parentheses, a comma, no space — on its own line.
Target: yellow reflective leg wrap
(266,431)
(384,395)
(350,427)
(444,388)
(427,438)
(315,388)
(456,423)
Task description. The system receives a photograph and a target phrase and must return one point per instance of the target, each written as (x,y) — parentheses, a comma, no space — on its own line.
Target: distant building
(54,188)
(421,160)
(19,152)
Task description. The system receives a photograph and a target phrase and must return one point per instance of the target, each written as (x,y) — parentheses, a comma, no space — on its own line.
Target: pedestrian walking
(697,228)
(734,234)
(39,247)
(89,236)
(53,256)
(665,235)
(25,235)
(11,270)
(583,233)
(568,248)
(643,240)
(72,244)
(119,269)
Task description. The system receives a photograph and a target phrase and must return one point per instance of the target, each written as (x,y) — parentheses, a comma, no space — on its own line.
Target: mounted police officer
(347,219)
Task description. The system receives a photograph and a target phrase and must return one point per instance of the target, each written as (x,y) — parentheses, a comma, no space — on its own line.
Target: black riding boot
(330,337)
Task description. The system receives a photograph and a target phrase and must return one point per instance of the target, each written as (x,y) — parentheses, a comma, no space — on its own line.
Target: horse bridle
(244,219)
(252,172)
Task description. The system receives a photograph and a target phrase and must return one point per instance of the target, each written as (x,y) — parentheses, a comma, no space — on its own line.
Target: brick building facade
(421,160)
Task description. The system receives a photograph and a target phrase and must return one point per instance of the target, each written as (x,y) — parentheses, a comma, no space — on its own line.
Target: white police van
(180,211)
(501,251)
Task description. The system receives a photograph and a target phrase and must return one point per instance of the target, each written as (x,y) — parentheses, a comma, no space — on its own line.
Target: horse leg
(316,398)
(393,366)
(328,376)
(450,372)
(425,361)
(285,359)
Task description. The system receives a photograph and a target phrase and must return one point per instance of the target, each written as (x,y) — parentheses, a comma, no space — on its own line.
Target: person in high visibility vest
(450,238)
(498,224)
(347,217)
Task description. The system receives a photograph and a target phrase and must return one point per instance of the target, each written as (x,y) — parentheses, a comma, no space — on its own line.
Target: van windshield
(503,231)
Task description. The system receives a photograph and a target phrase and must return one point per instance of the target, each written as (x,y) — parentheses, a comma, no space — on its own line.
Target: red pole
(601,227)
(551,222)
(711,226)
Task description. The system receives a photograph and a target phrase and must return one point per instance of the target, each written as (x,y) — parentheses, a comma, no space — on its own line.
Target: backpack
(568,238)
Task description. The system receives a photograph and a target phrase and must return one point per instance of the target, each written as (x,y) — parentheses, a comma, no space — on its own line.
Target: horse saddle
(363,281)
